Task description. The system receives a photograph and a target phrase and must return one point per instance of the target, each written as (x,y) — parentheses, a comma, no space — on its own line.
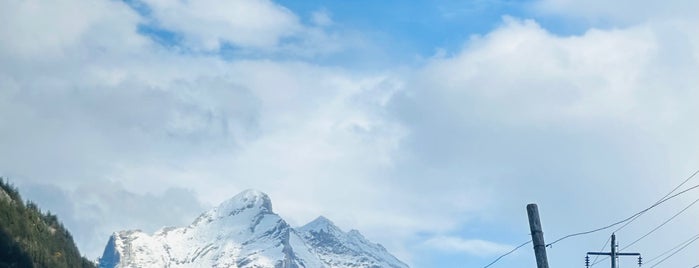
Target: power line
(649,232)
(661,199)
(632,218)
(624,220)
(676,251)
(639,215)
(673,248)
(508,253)
(661,225)
(678,186)
(597,256)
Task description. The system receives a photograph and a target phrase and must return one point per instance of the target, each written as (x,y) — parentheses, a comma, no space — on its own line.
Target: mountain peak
(244,232)
(247,199)
(333,246)
(250,201)
(320,224)
(322,220)
(252,194)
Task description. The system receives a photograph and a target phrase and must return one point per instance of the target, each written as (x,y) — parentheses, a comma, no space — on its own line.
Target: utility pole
(537,236)
(613,254)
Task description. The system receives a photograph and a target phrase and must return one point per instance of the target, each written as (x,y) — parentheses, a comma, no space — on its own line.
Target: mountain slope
(31,238)
(344,250)
(243,232)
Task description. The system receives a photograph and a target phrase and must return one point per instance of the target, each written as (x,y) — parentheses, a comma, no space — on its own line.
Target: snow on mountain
(244,232)
(344,250)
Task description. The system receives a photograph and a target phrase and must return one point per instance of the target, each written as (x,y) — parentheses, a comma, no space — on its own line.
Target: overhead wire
(508,253)
(661,225)
(673,248)
(639,215)
(676,251)
(629,220)
(624,220)
(661,199)
(649,232)
(594,261)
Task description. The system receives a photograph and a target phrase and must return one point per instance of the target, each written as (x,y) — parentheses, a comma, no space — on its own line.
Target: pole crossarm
(618,254)
(613,254)
(628,254)
(600,253)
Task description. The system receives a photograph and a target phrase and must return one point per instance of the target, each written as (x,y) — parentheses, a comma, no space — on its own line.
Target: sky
(428,125)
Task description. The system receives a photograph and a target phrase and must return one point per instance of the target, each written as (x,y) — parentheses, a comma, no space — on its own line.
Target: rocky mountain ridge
(244,232)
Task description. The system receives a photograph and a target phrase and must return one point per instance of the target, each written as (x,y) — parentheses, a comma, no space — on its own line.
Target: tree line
(32,238)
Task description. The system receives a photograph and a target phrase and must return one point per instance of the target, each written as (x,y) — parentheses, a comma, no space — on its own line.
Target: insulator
(640,261)
(587,261)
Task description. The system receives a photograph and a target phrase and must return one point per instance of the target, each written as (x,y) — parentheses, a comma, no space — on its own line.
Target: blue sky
(403,32)
(427,125)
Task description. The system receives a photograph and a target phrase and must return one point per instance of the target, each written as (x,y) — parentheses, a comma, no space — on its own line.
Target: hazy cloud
(95,210)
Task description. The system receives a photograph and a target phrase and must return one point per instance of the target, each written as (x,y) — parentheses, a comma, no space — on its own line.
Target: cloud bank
(111,127)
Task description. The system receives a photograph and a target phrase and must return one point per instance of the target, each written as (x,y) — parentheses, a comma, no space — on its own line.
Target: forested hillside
(32,238)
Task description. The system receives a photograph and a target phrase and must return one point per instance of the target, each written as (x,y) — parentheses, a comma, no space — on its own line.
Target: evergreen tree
(32,238)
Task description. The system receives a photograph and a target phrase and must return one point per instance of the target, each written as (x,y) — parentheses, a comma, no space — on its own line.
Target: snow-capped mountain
(339,249)
(244,232)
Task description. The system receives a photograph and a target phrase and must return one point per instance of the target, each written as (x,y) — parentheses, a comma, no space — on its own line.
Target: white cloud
(458,141)
(469,246)
(321,18)
(208,24)
(526,68)
(537,117)
(151,119)
(614,12)
(249,27)
(40,30)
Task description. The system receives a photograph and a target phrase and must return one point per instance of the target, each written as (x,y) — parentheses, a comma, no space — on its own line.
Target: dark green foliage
(31,238)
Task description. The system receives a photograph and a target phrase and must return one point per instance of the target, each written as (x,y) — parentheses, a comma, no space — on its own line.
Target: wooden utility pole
(537,236)
(613,254)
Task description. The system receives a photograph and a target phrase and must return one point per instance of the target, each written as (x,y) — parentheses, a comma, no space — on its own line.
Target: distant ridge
(244,232)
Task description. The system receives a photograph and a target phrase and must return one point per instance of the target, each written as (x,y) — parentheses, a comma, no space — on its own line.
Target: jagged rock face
(244,232)
(339,249)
